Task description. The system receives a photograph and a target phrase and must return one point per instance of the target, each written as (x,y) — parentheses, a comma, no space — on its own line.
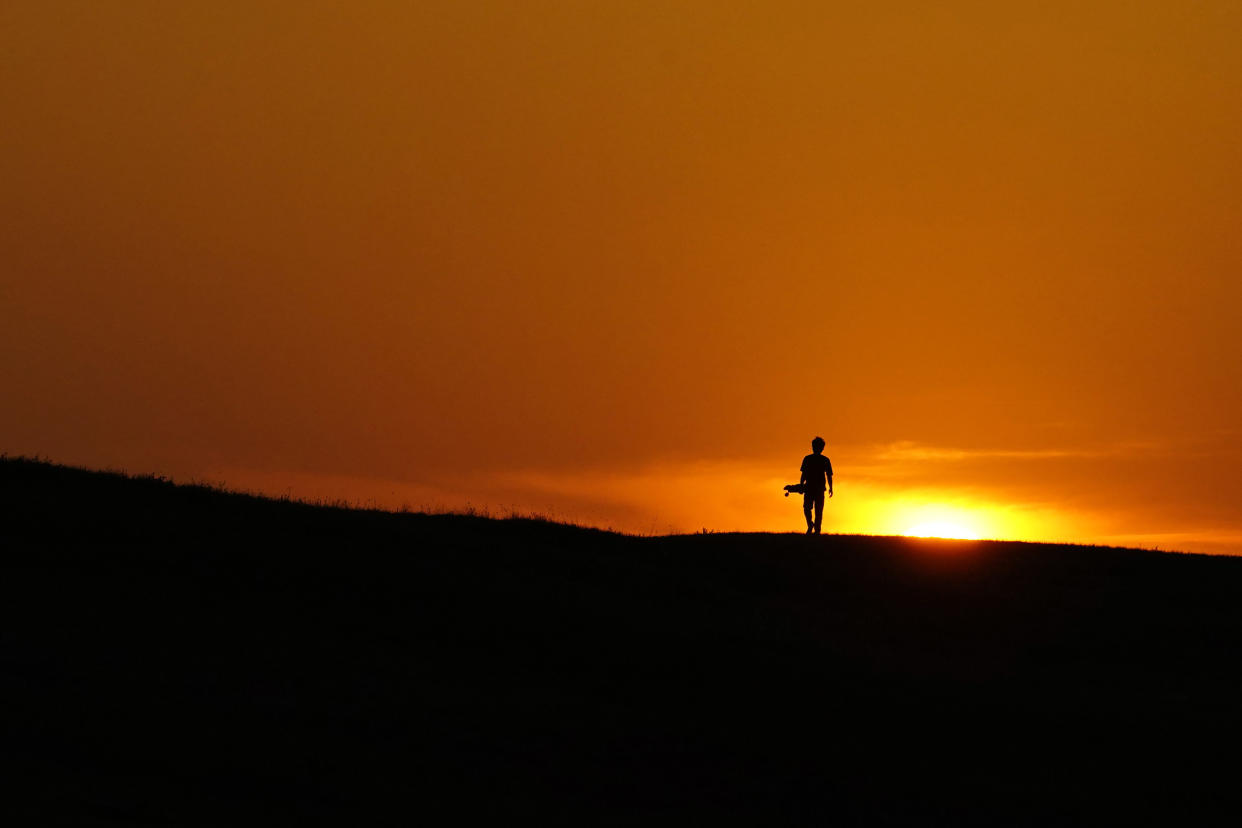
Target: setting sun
(942,521)
(941,530)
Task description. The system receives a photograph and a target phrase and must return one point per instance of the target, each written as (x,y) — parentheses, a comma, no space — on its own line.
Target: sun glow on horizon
(943,521)
(941,530)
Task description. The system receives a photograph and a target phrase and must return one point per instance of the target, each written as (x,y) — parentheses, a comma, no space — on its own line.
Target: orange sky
(620,261)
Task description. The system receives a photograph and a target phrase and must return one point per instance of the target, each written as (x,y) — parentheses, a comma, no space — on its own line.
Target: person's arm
(802,477)
(828,471)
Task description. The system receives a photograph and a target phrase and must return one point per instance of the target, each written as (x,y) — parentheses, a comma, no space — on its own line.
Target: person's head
(817,445)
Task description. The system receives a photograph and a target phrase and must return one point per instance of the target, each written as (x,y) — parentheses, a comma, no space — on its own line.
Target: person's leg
(819,511)
(808,500)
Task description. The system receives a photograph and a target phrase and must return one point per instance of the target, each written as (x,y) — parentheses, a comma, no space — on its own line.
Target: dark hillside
(177,655)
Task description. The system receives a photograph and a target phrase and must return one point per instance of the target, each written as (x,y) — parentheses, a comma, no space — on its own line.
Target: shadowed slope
(182,655)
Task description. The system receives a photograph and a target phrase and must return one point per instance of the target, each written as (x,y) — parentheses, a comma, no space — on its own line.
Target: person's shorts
(815,498)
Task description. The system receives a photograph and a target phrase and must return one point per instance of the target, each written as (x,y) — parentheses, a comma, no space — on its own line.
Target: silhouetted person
(816,470)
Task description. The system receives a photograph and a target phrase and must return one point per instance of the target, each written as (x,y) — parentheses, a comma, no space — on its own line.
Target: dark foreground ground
(180,656)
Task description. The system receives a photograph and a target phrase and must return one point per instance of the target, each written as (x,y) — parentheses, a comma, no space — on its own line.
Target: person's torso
(815,467)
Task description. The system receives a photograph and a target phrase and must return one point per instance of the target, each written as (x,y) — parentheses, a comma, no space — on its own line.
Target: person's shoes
(810,530)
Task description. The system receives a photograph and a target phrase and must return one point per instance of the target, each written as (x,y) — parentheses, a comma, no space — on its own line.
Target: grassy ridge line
(50,500)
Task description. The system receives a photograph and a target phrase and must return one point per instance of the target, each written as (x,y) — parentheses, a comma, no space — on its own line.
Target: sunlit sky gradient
(620,261)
